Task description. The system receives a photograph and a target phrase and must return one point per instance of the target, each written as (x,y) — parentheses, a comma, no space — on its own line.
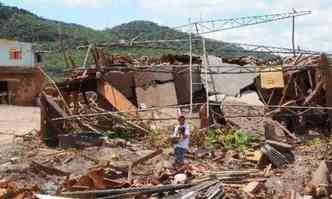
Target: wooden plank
(272,80)
(116,98)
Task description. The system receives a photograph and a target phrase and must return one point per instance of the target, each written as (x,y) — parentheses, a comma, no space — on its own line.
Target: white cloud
(191,8)
(73,3)
(312,31)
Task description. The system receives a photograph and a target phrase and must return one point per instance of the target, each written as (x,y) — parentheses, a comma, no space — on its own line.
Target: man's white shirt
(185,142)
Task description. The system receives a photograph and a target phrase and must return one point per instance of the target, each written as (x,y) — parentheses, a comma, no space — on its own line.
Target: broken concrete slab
(143,79)
(123,81)
(157,95)
(228,84)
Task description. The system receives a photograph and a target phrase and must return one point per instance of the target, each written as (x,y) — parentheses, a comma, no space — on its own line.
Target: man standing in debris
(180,139)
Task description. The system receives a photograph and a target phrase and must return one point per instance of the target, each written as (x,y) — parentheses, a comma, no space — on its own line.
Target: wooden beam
(314,93)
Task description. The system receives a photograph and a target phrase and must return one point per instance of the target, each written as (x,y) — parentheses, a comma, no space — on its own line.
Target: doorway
(4,92)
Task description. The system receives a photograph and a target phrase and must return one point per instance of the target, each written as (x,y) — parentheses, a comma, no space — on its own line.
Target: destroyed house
(20,78)
(117,83)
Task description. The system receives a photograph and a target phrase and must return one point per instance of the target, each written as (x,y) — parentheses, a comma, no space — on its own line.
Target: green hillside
(22,25)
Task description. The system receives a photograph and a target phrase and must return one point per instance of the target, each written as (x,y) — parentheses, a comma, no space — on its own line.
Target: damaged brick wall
(24,86)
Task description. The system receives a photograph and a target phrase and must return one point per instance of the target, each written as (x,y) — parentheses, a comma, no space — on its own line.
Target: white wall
(28,57)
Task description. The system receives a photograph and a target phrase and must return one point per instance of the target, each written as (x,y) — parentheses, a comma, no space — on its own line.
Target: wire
(195,104)
(230,69)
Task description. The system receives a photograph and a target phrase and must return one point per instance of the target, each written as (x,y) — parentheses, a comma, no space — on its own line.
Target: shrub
(229,139)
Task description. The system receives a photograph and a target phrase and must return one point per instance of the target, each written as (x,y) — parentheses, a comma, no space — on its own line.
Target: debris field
(105,131)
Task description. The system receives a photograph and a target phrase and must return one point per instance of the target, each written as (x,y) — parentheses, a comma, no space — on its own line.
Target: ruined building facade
(20,77)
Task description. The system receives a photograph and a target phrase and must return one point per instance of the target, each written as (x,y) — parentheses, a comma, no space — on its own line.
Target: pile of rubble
(133,169)
(111,124)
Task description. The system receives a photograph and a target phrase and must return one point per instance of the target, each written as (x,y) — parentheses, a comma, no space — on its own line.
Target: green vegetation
(314,141)
(23,25)
(319,140)
(230,139)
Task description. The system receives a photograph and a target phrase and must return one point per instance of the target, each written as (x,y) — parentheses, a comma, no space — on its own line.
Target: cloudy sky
(312,31)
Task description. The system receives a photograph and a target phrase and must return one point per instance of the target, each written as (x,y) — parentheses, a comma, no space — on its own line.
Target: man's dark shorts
(179,155)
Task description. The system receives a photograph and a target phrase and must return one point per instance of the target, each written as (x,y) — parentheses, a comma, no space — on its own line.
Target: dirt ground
(17,155)
(17,120)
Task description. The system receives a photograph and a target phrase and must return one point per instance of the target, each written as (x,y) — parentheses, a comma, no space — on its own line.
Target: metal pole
(190,71)
(293,33)
(206,79)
